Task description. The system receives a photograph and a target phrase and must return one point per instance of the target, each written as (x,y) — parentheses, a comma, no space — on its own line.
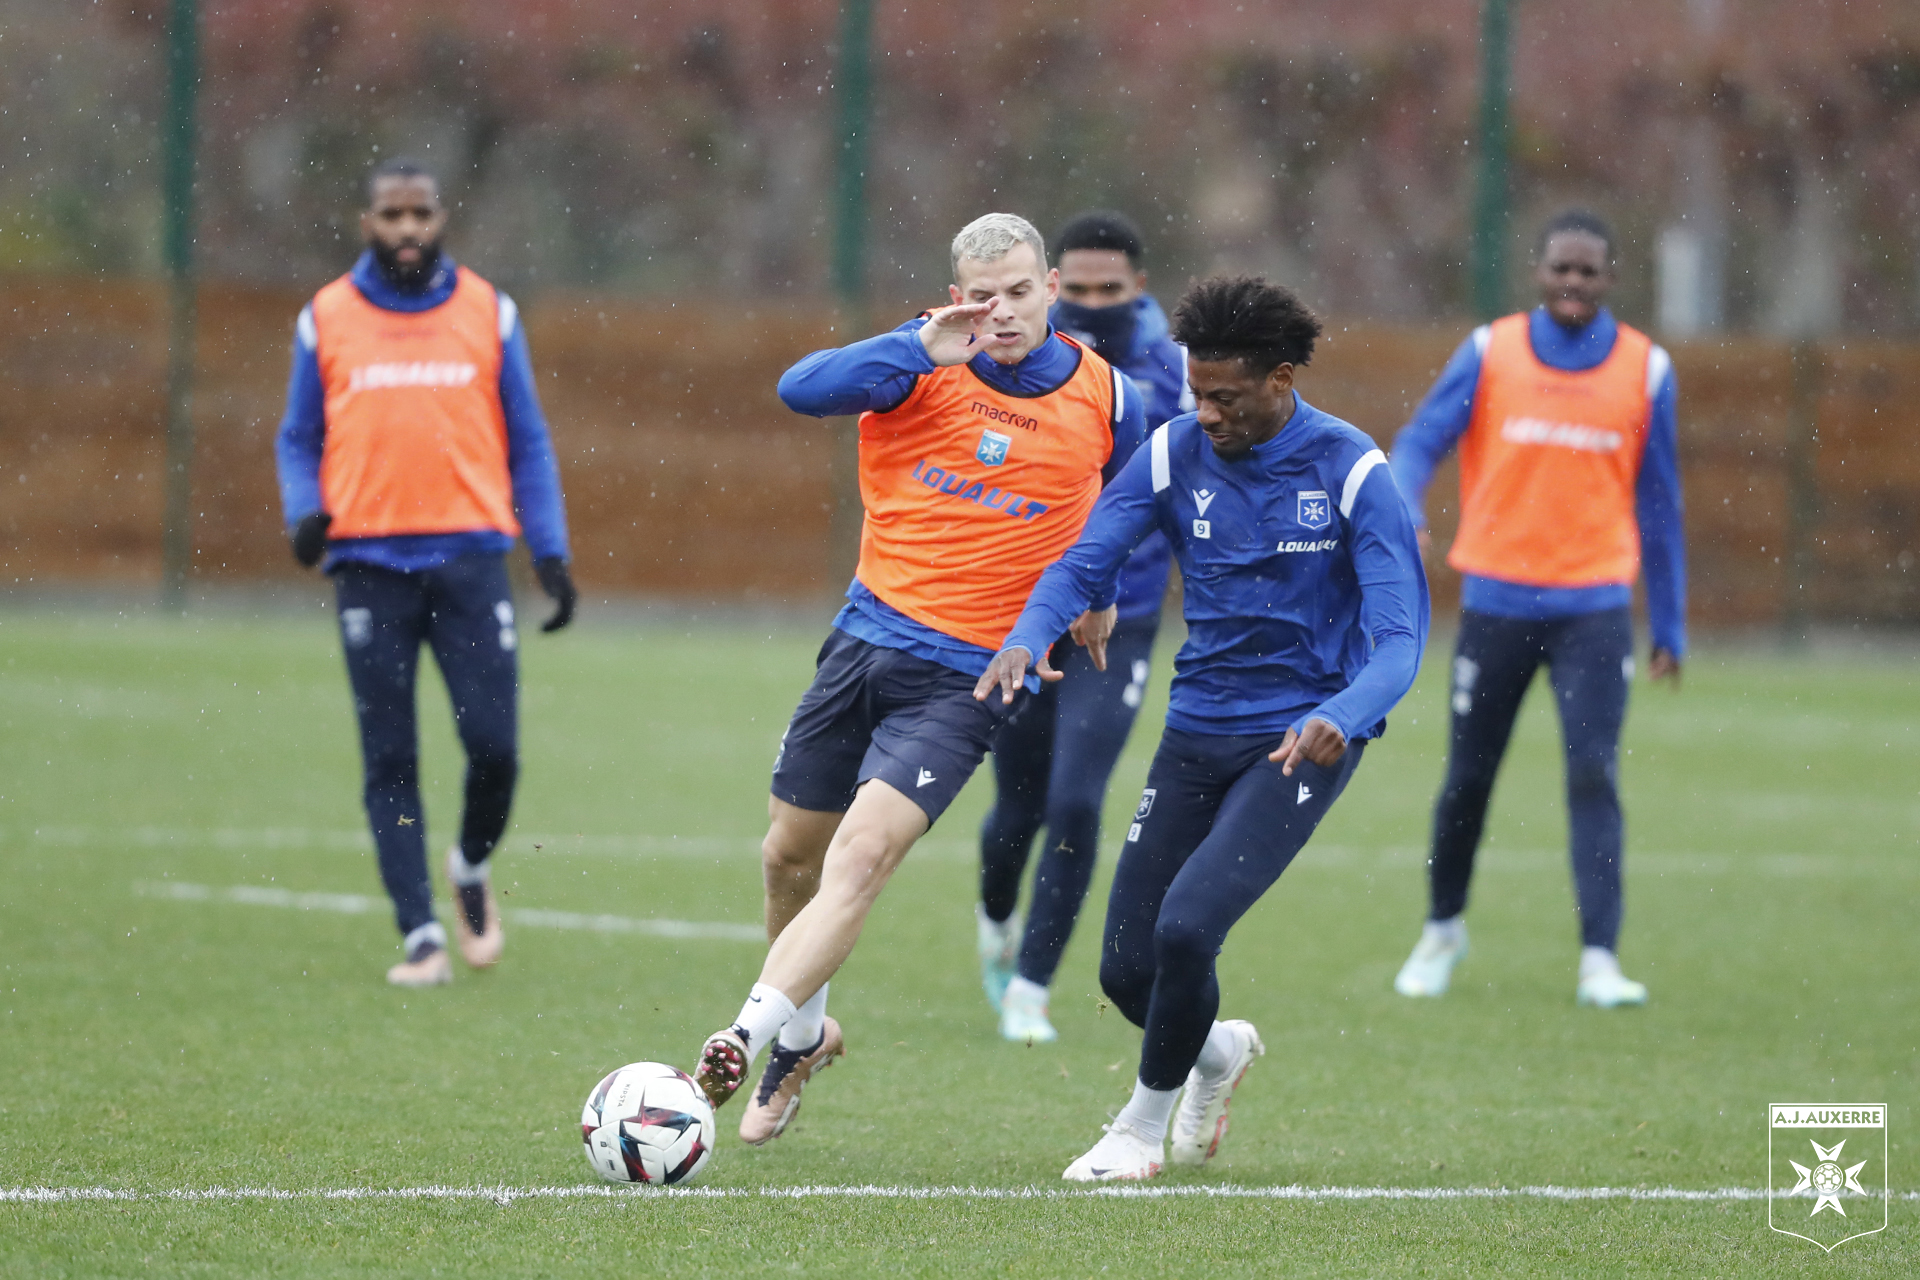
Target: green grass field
(157,1038)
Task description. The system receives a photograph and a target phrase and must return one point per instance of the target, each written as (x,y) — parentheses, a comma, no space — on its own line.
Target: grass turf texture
(152,1044)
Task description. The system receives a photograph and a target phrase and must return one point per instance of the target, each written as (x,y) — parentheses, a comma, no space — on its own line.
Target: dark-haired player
(413,451)
(984,440)
(1054,756)
(1568,479)
(1306,611)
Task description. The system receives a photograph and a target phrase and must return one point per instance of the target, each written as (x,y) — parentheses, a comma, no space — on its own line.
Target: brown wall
(685,475)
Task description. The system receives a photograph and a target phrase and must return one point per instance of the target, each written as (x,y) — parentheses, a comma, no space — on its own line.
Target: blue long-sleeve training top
(876,376)
(535,472)
(1447,411)
(1158,366)
(1305,595)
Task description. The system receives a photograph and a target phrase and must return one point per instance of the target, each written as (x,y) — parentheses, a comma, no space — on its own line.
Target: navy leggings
(463,611)
(1216,826)
(1589,659)
(1051,763)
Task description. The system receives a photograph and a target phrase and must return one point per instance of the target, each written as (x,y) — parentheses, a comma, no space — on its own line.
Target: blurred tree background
(1761,157)
(656,184)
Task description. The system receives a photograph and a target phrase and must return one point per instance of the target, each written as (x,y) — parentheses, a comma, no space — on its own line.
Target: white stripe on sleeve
(509,316)
(1659,365)
(1162,466)
(304,330)
(1119,396)
(1350,491)
(1481,337)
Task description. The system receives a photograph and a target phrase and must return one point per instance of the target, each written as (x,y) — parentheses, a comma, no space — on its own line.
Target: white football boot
(1428,971)
(1602,985)
(999,949)
(1023,1014)
(1121,1156)
(1201,1120)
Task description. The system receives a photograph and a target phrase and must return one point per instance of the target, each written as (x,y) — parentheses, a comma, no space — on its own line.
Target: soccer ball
(648,1122)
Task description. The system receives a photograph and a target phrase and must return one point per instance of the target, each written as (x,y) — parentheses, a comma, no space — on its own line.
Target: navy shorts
(882,713)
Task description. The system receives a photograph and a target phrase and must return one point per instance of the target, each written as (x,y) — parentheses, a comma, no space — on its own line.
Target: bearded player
(985,438)
(412,453)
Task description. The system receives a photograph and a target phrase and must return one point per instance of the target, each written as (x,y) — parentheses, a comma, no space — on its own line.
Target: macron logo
(925,778)
(1306,794)
(1203,498)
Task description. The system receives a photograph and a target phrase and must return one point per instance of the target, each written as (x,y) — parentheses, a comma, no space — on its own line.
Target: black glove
(309,538)
(558,584)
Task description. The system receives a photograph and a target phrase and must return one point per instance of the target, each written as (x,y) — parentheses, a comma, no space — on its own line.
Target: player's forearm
(1058,598)
(1658,510)
(301,440)
(1377,689)
(535,471)
(1439,422)
(1395,611)
(864,377)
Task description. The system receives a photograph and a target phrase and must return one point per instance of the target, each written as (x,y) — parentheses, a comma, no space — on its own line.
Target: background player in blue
(1306,610)
(1053,757)
(447,589)
(1512,621)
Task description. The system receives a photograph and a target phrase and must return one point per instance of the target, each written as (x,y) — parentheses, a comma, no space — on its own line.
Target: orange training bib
(416,439)
(970,493)
(1549,462)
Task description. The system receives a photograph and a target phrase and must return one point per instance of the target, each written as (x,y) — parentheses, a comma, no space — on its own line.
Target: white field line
(1782,865)
(506,1195)
(353,904)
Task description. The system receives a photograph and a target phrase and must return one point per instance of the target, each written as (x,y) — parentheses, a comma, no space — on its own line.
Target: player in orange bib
(985,437)
(412,454)
(1568,482)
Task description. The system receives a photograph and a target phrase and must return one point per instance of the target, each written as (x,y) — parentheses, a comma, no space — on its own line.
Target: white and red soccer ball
(648,1123)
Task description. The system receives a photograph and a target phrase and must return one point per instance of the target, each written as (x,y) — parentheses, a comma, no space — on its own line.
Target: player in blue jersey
(1570,482)
(1306,610)
(1053,757)
(412,452)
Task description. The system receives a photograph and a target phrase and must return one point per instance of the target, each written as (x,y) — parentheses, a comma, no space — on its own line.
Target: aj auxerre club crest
(993,447)
(1312,509)
(1827,1170)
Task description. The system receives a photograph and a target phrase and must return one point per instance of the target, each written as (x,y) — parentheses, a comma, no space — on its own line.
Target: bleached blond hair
(992,237)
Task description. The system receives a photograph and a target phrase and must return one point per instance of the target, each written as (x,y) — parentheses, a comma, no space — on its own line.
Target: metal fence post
(183,91)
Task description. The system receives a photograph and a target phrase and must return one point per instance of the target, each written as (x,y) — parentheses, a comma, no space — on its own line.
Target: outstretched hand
(952,335)
(1091,630)
(1008,670)
(1321,744)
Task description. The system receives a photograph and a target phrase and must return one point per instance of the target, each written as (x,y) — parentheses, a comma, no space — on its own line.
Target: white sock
(808,1023)
(1597,960)
(1216,1055)
(762,1016)
(465,872)
(1451,931)
(431,931)
(1020,991)
(1148,1111)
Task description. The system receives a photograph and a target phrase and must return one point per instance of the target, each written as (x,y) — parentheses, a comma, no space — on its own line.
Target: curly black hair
(1248,318)
(1101,229)
(1575,220)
